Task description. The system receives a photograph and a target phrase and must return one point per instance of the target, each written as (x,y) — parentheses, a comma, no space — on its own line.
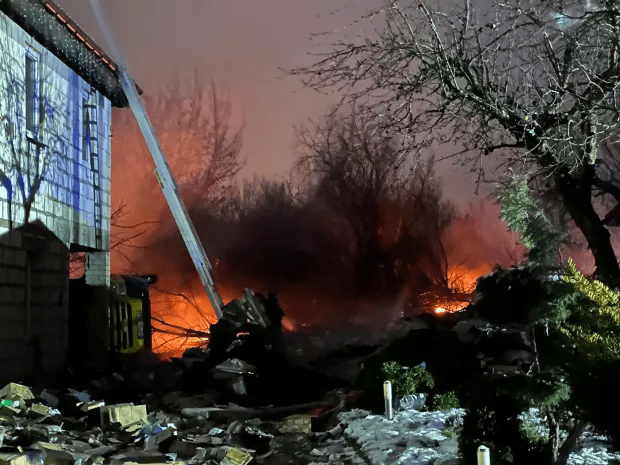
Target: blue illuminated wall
(58,173)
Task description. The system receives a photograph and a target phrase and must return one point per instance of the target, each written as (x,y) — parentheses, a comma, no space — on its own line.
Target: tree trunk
(570,442)
(576,196)
(554,437)
(27,208)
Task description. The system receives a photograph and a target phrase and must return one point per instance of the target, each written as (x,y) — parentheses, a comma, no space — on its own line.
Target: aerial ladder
(248,306)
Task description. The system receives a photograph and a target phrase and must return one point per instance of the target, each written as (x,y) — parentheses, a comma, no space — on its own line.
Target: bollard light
(484,457)
(387,396)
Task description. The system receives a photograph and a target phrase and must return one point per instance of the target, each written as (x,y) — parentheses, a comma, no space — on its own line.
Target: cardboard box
(14,391)
(17,459)
(8,412)
(130,417)
(236,456)
(93,404)
(301,423)
(40,409)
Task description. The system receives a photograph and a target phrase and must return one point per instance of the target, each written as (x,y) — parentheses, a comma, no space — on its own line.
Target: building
(57,90)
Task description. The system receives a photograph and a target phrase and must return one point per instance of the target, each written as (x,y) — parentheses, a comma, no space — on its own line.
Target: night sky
(242,45)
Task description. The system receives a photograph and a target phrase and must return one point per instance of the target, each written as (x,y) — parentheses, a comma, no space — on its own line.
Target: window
(31,93)
(85,130)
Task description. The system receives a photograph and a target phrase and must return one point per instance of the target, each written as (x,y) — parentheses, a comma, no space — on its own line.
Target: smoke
(479,238)
(306,255)
(334,255)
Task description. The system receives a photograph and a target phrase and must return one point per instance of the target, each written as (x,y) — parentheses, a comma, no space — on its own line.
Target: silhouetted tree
(536,83)
(353,167)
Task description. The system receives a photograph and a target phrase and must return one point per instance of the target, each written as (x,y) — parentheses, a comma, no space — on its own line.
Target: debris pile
(246,356)
(70,428)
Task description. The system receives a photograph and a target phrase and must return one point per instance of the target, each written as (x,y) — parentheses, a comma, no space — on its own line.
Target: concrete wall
(34,297)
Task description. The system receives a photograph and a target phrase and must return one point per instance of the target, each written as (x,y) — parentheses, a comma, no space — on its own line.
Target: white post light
(483,456)
(387,396)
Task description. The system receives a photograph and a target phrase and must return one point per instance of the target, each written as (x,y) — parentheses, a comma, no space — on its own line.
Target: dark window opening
(31,93)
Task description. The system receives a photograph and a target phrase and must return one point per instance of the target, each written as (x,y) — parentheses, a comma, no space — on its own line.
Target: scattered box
(6,411)
(16,391)
(236,456)
(88,406)
(16,459)
(40,409)
(130,417)
(300,423)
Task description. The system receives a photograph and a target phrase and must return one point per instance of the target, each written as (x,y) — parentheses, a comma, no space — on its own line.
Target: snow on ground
(416,438)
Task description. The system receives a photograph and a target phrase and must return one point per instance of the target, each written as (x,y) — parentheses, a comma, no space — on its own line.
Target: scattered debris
(75,428)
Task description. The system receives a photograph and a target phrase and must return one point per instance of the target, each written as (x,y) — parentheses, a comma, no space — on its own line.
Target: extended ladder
(162,170)
(91,141)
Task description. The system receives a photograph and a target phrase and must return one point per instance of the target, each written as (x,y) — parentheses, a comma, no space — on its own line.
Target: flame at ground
(182,319)
(462,281)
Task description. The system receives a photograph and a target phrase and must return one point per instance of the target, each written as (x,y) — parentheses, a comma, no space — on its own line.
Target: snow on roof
(56,31)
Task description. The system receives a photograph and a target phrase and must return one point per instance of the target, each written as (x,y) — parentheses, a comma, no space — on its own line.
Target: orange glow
(450,306)
(288,324)
(463,279)
(189,308)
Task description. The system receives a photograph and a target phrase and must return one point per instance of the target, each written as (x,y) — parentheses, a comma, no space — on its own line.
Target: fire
(288,325)
(462,281)
(450,307)
(182,319)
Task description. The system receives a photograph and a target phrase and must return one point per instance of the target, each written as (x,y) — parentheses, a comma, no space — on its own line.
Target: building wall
(34,304)
(50,179)
(60,177)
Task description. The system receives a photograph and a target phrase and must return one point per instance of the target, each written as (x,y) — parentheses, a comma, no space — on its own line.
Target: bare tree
(124,238)
(196,130)
(202,143)
(395,211)
(535,83)
(192,328)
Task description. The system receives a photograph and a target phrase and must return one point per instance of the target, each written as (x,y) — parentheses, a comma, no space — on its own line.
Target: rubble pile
(247,361)
(45,427)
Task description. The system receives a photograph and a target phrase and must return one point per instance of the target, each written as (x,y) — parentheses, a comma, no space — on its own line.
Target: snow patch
(416,438)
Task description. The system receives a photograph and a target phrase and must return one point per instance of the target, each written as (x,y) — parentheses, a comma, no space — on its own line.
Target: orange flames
(192,309)
(462,281)
(182,320)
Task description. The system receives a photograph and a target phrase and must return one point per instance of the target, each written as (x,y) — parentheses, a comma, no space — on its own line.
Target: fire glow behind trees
(367,252)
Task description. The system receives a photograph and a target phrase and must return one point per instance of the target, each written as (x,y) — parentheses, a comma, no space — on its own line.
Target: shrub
(533,435)
(446,401)
(407,380)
